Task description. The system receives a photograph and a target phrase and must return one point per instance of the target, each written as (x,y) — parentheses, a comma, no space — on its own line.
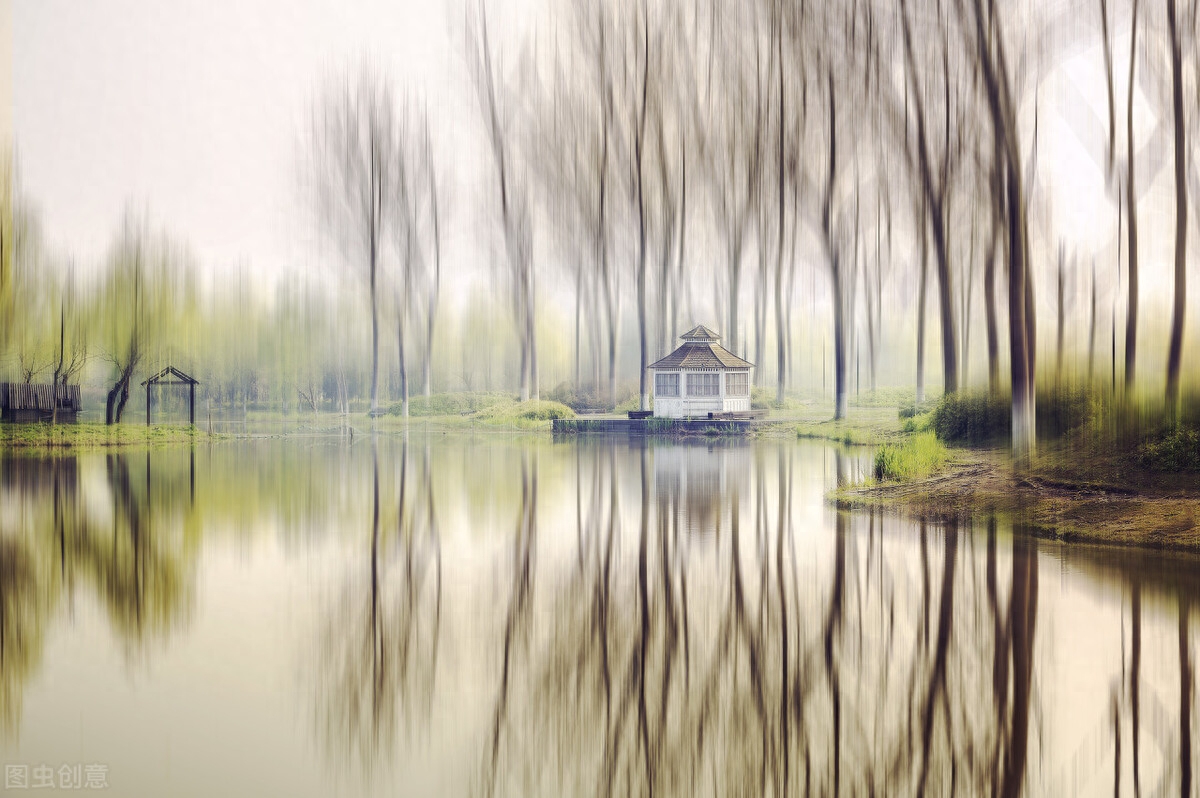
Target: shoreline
(980,483)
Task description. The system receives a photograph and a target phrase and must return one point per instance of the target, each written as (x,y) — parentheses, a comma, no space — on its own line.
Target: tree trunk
(989,308)
(1058,363)
(1131,317)
(936,210)
(921,292)
(531,327)
(1092,333)
(403,368)
(841,388)
(1175,353)
(374,339)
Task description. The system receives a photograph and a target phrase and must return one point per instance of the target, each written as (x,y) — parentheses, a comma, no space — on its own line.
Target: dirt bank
(977,484)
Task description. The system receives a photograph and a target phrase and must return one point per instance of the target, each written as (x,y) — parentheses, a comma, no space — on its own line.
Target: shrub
(1175,449)
(917,423)
(579,399)
(544,410)
(918,456)
(911,409)
(977,418)
(1063,411)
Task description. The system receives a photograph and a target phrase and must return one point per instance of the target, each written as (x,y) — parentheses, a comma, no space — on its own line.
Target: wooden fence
(40,396)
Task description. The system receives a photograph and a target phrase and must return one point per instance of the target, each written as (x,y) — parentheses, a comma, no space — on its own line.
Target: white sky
(193,110)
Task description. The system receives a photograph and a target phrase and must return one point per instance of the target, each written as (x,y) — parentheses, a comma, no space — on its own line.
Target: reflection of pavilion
(694,484)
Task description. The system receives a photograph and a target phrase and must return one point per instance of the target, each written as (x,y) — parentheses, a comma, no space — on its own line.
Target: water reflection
(509,617)
(380,640)
(123,550)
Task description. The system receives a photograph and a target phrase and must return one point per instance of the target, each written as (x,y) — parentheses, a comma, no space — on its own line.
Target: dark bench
(634,414)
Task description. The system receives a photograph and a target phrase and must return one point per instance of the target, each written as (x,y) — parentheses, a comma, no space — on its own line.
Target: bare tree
(1131,317)
(516,212)
(984,29)
(353,148)
(935,186)
(1175,353)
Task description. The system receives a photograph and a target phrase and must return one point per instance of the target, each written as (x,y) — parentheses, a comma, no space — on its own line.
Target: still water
(489,615)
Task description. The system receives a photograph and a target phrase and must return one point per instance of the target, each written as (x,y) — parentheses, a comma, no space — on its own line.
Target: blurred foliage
(1174,449)
(973,418)
(533,410)
(884,397)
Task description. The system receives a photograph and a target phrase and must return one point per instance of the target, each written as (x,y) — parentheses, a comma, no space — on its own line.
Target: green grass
(916,457)
(451,404)
(865,427)
(89,435)
(528,415)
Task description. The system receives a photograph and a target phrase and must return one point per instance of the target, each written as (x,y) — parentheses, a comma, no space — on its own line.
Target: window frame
(743,389)
(670,394)
(705,384)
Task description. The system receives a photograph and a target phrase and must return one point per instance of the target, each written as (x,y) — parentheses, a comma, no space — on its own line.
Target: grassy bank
(867,426)
(87,435)
(1104,472)
(917,456)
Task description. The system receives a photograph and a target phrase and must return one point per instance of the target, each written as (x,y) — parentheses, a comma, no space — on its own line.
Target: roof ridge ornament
(700,333)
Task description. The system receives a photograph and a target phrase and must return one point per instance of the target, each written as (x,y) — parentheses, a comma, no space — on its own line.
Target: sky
(194,110)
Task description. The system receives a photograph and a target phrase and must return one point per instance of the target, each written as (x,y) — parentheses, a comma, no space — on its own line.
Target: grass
(915,457)
(451,404)
(90,435)
(532,414)
(866,427)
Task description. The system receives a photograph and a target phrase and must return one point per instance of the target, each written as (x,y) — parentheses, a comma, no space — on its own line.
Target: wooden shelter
(173,376)
(701,377)
(29,402)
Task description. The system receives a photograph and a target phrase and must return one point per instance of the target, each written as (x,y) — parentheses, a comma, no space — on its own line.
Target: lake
(502,615)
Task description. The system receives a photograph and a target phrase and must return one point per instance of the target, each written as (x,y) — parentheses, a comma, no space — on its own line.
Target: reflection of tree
(516,622)
(123,549)
(1135,702)
(23,612)
(378,650)
(138,568)
(764,680)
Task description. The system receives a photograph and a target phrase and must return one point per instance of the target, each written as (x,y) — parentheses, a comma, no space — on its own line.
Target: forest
(861,196)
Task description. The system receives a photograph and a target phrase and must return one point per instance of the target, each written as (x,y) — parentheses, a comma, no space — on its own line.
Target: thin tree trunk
(1058,363)
(921,293)
(639,145)
(1092,332)
(1175,353)
(1131,318)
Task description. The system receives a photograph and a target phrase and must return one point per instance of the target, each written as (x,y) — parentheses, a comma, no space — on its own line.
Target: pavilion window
(737,383)
(666,385)
(704,384)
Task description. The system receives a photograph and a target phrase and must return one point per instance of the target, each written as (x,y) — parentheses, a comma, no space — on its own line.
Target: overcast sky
(193,111)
